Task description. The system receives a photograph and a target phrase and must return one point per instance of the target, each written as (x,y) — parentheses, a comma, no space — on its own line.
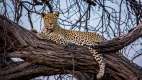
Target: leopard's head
(50,20)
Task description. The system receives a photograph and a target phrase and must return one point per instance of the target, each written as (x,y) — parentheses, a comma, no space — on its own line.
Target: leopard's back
(81,38)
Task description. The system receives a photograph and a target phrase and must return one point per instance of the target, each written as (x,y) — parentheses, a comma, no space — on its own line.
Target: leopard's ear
(56,13)
(42,14)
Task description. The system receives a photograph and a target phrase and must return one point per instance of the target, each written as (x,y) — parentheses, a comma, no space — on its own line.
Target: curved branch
(120,42)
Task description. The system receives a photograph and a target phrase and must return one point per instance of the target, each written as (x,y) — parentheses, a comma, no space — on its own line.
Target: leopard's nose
(50,23)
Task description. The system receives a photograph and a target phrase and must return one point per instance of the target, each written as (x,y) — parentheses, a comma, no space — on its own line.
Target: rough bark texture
(42,57)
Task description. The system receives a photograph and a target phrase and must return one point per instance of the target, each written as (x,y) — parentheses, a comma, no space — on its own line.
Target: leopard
(53,31)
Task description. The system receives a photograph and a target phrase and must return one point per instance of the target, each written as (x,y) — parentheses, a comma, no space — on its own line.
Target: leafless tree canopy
(119,21)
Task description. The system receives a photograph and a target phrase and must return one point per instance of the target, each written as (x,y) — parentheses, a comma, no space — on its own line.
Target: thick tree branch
(41,56)
(120,42)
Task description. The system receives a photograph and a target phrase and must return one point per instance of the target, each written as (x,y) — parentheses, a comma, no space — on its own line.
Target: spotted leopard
(52,31)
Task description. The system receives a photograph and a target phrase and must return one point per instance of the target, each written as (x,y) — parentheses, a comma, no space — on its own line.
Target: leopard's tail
(100,61)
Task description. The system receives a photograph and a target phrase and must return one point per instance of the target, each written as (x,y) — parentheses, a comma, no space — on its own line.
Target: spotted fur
(52,31)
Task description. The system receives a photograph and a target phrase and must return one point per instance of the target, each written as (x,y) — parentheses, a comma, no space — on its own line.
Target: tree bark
(43,57)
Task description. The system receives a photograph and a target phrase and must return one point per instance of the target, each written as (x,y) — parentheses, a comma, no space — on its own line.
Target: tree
(42,57)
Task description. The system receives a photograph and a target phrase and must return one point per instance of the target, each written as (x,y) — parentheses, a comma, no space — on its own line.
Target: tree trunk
(42,57)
